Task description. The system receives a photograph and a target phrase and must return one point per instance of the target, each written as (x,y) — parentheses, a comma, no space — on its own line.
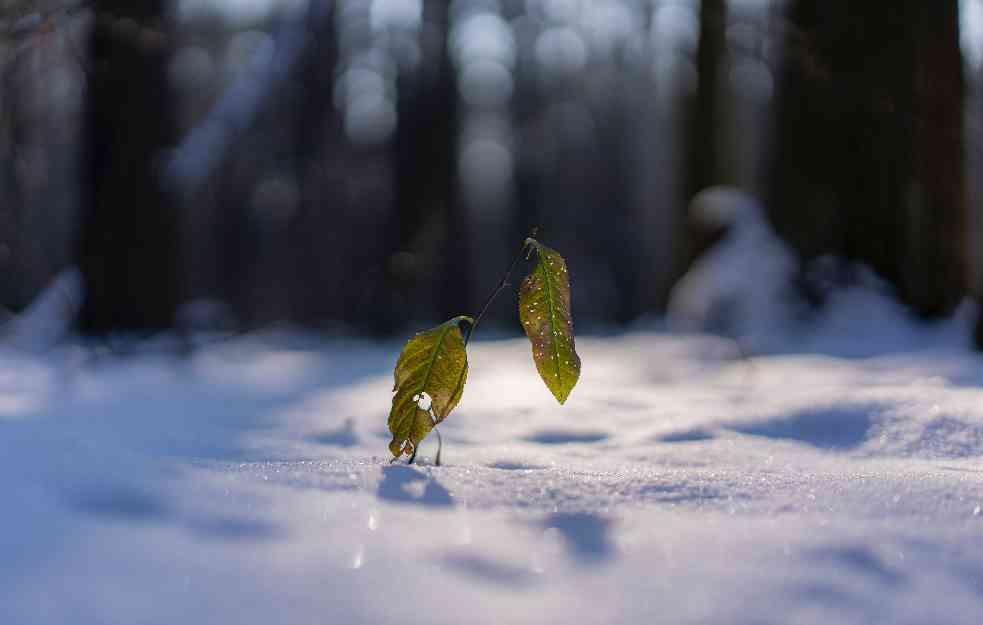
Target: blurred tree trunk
(14,138)
(315,246)
(426,186)
(869,155)
(276,231)
(705,167)
(128,234)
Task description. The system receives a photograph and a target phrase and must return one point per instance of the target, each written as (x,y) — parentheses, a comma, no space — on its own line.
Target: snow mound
(740,288)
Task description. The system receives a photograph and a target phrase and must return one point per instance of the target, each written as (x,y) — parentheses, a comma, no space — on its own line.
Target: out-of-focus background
(367,166)
(220,219)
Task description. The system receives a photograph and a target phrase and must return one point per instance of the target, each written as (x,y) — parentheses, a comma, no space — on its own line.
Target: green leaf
(544,310)
(433,362)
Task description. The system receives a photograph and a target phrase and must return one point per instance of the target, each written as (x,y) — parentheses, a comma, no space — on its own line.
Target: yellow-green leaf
(434,362)
(544,311)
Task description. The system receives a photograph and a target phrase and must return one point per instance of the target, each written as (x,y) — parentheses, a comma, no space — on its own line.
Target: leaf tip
(562,395)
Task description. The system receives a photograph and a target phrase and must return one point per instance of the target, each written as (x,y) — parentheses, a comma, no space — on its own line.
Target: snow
(739,288)
(835,480)
(40,326)
(423,400)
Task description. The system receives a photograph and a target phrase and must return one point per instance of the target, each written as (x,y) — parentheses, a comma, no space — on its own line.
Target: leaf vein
(433,357)
(552,316)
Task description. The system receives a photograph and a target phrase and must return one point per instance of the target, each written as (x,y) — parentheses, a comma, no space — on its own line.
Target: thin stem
(440,442)
(501,285)
(529,241)
(440,446)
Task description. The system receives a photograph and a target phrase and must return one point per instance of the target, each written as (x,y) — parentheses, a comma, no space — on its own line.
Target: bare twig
(501,285)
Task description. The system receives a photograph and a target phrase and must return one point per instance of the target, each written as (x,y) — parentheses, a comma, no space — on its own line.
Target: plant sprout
(433,367)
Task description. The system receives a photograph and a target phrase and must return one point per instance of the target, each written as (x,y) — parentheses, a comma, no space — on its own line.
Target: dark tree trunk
(315,246)
(869,155)
(128,233)
(937,258)
(13,137)
(425,153)
(705,167)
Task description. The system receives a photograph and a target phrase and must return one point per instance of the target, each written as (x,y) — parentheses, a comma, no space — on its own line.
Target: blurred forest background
(370,165)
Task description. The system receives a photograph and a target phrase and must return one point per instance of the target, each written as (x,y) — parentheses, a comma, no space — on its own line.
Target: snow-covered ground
(839,481)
